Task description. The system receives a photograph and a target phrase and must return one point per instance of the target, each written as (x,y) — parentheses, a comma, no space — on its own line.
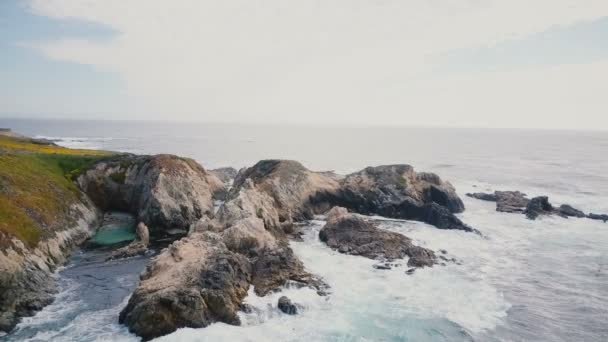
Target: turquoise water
(113,234)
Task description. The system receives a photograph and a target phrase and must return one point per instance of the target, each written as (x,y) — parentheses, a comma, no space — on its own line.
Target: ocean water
(544,280)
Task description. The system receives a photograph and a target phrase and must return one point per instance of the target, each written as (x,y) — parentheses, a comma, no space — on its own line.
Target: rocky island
(230,230)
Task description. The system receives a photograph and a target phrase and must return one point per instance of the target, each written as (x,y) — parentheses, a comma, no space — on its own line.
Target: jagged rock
(483,196)
(350,234)
(135,248)
(290,185)
(567,210)
(287,306)
(163,191)
(397,191)
(601,217)
(538,206)
(194,282)
(511,201)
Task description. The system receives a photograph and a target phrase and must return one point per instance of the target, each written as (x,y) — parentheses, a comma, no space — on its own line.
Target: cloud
(363,61)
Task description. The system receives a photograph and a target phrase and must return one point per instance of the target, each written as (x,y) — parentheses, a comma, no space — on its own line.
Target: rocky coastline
(231,231)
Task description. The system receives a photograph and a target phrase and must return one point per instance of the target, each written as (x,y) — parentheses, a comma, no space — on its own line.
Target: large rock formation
(163,191)
(194,282)
(350,234)
(397,191)
(290,185)
(203,278)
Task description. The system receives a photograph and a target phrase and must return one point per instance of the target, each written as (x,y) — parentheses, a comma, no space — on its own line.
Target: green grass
(37,187)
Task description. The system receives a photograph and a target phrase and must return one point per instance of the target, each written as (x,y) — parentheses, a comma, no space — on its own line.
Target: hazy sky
(489,63)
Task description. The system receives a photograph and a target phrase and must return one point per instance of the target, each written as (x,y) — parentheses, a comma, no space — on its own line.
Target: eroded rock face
(163,191)
(350,234)
(397,191)
(511,201)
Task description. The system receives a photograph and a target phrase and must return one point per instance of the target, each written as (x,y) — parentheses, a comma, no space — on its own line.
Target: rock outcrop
(397,191)
(538,206)
(601,217)
(517,202)
(163,191)
(350,234)
(290,186)
(194,282)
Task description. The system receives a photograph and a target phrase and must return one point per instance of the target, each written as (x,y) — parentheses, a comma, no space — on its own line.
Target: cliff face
(43,216)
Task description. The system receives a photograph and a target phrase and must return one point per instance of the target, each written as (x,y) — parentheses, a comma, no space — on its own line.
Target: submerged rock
(350,234)
(601,217)
(483,196)
(287,306)
(567,210)
(163,191)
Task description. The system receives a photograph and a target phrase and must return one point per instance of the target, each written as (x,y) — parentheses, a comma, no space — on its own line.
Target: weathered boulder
(194,282)
(567,210)
(538,206)
(290,185)
(350,234)
(163,191)
(397,191)
(287,306)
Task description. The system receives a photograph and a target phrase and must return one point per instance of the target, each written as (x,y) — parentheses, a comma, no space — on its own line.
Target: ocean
(522,280)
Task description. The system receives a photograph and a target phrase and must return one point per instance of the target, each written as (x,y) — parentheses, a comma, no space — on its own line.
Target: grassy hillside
(37,188)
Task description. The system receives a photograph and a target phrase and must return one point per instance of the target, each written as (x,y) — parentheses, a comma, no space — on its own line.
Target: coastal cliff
(43,217)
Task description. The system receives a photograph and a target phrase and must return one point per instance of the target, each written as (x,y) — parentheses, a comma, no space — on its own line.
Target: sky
(463,63)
